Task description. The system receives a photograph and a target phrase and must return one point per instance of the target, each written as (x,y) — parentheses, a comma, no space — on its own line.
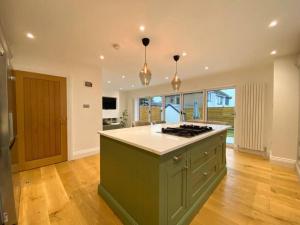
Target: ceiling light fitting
(176,82)
(142,28)
(273,23)
(145,73)
(30,35)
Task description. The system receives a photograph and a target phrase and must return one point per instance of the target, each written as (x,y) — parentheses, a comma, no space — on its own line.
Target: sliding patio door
(193,107)
(144,104)
(172,109)
(220,108)
(150,109)
(156,110)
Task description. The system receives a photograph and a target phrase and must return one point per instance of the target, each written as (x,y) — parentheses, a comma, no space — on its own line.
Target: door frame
(234,120)
(23,165)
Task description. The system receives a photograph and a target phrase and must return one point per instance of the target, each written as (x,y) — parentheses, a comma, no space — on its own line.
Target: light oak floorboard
(254,192)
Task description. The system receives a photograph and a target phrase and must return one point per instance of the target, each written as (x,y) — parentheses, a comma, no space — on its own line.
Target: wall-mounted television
(109,103)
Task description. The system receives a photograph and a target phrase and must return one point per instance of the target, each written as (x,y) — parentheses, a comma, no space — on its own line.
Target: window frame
(205,96)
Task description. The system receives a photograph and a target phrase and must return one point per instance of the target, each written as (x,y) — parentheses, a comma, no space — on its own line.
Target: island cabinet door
(221,152)
(204,157)
(176,187)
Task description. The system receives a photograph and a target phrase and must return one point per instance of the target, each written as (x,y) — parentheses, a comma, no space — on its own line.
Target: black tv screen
(109,103)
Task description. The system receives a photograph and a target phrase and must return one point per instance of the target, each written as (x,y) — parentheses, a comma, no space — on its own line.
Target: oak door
(41,119)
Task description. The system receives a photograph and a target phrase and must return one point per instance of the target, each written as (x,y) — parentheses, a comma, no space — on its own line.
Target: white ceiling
(222,35)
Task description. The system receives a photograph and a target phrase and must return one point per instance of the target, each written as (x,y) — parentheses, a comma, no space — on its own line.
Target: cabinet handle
(177,158)
(205,153)
(205,174)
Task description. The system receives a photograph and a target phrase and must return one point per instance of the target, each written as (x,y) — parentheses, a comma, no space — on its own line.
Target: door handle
(12,143)
(177,158)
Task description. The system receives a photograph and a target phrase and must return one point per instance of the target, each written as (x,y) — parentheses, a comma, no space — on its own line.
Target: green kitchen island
(151,178)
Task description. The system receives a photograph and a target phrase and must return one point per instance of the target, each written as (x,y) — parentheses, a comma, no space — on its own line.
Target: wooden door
(41,119)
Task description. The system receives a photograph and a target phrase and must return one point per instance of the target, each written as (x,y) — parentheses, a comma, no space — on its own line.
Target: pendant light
(176,82)
(145,73)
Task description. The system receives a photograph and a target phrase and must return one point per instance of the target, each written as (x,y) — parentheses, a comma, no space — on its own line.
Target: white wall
(83,123)
(111,113)
(261,74)
(285,109)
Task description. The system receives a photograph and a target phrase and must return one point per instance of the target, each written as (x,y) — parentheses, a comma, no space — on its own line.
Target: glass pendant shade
(176,82)
(145,75)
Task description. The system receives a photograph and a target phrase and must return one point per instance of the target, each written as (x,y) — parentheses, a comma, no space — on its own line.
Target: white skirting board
(85,152)
(286,161)
(263,154)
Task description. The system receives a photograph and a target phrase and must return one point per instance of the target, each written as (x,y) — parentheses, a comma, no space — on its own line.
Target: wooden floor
(253,192)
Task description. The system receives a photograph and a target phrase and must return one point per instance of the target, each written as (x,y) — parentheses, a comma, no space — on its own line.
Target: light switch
(88,84)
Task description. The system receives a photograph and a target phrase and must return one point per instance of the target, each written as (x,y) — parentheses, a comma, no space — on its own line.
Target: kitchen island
(148,177)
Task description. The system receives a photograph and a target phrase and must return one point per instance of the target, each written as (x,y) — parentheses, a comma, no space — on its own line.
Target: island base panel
(148,189)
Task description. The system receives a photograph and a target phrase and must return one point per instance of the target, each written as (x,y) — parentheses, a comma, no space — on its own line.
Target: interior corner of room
(150,113)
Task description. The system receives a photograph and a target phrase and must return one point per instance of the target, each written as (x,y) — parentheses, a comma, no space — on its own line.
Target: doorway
(172,109)
(41,119)
(193,107)
(220,108)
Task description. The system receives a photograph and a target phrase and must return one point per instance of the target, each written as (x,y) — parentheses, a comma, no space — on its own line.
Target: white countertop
(151,139)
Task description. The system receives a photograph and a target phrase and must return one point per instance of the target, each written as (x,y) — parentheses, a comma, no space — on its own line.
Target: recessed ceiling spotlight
(101,57)
(142,28)
(123,77)
(132,85)
(206,67)
(167,78)
(273,23)
(109,82)
(30,35)
(274,52)
(121,88)
(184,54)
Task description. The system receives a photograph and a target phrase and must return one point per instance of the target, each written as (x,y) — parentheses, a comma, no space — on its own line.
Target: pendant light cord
(145,55)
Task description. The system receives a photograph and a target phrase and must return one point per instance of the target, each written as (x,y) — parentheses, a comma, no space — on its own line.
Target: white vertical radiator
(250,116)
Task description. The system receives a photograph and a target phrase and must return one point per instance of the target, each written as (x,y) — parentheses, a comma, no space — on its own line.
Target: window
(144,109)
(172,109)
(220,100)
(219,107)
(218,111)
(209,97)
(156,109)
(193,106)
(227,101)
